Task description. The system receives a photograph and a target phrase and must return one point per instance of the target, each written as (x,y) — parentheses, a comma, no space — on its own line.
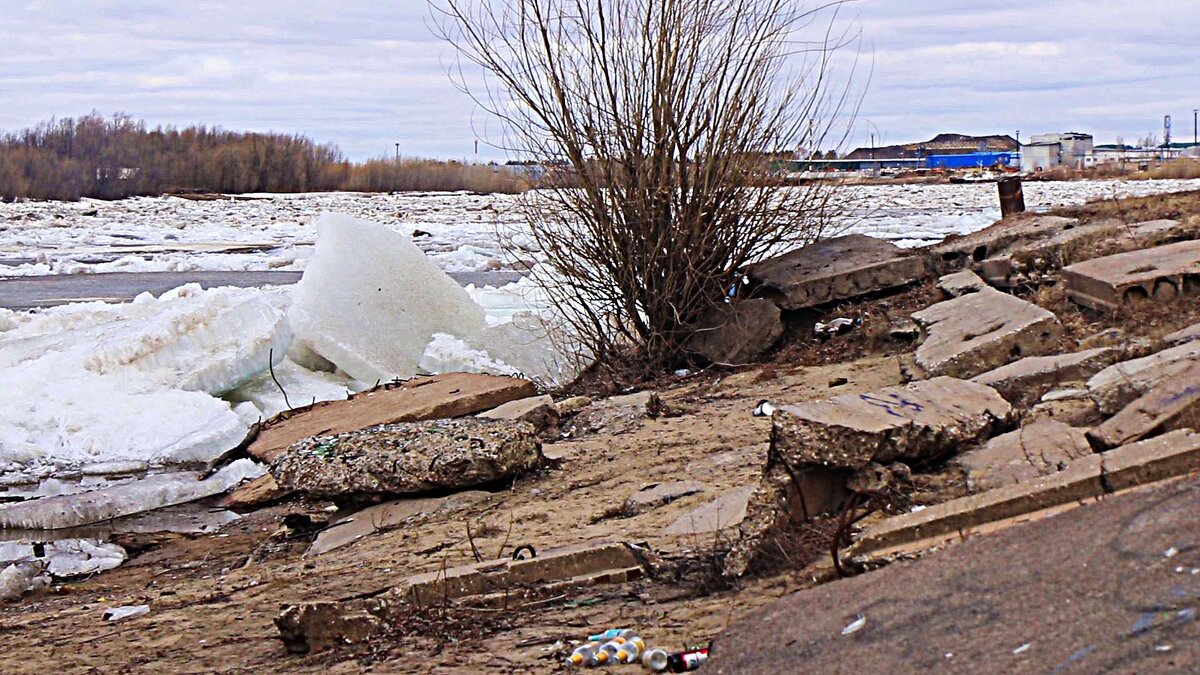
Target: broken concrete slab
(920,420)
(1173,404)
(723,513)
(980,331)
(956,251)
(1121,383)
(1128,466)
(834,269)
(1074,412)
(659,494)
(258,492)
(539,411)
(1161,273)
(409,458)
(619,414)
(1023,382)
(961,283)
(1036,449)
(415,400)
(818,447)
(1181,336)
(317,626)
(388,516)
(736,333)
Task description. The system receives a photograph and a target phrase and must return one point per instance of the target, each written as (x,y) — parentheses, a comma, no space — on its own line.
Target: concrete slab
(1173,404)
(832,270)
(539,411)
(817,448)
(723,513)
(980,331)
(660,494)
(1022,383)
(961,283)
(1181,336)
(978,246)
(1161,273)
(387,516)
(1037,449)
(418,399)
(1090,476)
(1122,383)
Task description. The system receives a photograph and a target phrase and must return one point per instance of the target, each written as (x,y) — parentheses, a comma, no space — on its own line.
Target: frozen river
(93,236)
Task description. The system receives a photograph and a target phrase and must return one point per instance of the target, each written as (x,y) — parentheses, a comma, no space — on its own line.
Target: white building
(1045,151)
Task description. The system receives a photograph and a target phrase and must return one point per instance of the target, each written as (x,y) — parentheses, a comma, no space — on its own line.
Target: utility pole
(397,153)
(874,165)
(1018,137)
(1195,136)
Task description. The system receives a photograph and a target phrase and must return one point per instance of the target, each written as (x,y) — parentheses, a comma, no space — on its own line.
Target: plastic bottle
(631,650)
(584,655)
(607,653)
(612,633)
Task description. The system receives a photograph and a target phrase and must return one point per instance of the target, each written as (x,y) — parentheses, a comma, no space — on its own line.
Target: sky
(367,74)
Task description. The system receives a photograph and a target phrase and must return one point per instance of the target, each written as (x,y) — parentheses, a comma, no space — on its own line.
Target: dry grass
(1175,206)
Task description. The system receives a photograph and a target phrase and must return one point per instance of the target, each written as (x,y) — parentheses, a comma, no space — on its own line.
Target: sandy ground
(213,598)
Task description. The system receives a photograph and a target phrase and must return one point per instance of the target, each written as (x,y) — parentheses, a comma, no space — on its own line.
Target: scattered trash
(764,409)
(837,382)
(1022,649)
(1162,648)
(119,613)
(683,372)
(855,626)
(659,660)
(611,647)
(1171,552)
(838,326)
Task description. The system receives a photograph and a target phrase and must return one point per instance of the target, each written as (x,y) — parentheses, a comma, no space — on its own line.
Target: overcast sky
(366,74)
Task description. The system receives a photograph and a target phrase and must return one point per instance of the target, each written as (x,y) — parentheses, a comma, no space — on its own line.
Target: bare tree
(665,124)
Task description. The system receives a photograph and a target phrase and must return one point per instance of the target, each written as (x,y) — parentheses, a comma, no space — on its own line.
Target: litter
(838,326)
(855,626)
(119,613)
(659,660)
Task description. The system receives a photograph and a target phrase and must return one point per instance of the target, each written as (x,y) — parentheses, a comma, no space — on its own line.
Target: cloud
(367,74)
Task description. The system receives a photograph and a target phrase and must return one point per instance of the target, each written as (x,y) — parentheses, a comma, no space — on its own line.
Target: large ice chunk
(370,301)
(302,387)
(93,383)
(152,492)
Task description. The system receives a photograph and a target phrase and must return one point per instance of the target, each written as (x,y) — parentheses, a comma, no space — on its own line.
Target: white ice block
(370,301)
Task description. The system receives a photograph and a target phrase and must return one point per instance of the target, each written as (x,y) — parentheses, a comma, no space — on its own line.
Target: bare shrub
(662,123)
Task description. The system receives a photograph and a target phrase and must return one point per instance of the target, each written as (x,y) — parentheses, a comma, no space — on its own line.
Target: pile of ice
(182,378)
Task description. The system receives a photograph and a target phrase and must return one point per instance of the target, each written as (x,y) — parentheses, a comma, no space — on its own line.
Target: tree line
(116,157)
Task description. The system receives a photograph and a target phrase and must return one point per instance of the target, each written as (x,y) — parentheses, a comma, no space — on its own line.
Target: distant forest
(116,157)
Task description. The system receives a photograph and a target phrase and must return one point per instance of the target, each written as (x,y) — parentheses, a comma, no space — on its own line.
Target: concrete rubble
(1088,477)
(736,332)
(415,400)
(313,626)
(387,516)
(961,283)
(1185,335)
(1037,449)
(1161,273)
(616,415)
(817,448)
(409,458)
(1121,383)
(832,270)
(979,331)
(1024,382)
(1173,404)
(540,411)
(721,514)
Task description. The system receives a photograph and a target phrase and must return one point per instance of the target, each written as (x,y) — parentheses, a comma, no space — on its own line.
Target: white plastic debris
(118,613)
(126,499)
(1022,649)
(370,301)
(855,626)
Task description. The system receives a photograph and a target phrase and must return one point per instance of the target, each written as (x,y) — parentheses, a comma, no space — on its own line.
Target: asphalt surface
(24,293)
(1108,587)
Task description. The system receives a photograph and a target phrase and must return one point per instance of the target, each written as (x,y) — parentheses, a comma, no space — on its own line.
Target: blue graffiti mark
(1145,623)
(1188,392)
(1074,658)
(894,407)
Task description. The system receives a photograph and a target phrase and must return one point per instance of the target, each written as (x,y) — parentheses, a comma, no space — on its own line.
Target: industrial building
(1046,151)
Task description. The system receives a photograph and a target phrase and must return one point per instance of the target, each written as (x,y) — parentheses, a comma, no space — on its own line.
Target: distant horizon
(365,76)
